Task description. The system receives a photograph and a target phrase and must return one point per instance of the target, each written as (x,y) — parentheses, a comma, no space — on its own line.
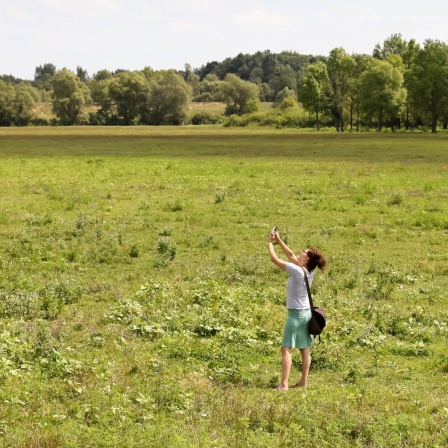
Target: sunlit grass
(138,303)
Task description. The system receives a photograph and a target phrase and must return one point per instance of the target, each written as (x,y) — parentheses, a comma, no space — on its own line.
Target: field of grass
(44,110)
(139,308)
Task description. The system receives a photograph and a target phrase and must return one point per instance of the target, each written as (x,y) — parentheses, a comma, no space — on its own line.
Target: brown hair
(315,258)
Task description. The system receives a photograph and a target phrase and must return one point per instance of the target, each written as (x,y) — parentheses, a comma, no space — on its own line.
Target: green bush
(199,118)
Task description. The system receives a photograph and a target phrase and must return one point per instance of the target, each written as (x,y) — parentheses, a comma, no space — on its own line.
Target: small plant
(82,223)
(352,376)
(395,200)
(167,248)
(134,251)
(20,304)
(220,196)
(144,205)
(177,206)
(67,292)
(206,241)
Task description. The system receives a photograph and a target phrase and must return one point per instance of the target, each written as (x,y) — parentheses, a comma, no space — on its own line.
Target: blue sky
(162,34)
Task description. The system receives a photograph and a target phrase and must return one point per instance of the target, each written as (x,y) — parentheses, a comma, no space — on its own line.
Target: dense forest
(401,85)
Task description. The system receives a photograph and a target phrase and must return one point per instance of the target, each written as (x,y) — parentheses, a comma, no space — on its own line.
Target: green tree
(362,62)
(288,103)
(340,67)
(82,74)
(282,95)
(69,97)
(284,76)
(102,74)
(192,79)
(237,94)
(265,92)
(7,95)
(208,89)
(100,95)
(43,76)
(10,79)
(148,73)
(395,44)
(382,92)
(167,100)
(128,93)
(256,75)
(427,81)
(42,70)
(35,93)
(23,105)
(315,90)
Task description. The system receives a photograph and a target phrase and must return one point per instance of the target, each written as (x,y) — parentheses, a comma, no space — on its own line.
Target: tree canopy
(402,83)
(70,95)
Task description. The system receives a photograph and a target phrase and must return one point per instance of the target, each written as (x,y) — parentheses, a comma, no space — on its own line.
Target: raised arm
(286,250)
(280,263)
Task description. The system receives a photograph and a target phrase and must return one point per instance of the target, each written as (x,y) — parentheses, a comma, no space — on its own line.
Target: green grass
(139,307)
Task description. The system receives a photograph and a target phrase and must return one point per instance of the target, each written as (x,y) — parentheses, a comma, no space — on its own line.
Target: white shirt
(296,293)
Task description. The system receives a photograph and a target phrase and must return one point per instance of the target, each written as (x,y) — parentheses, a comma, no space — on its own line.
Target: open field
(44,110)
(139,307)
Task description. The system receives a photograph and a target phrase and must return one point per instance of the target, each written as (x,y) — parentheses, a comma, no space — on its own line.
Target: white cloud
(195,3)
(262,18)
(67,5)
(17,13)
(184,26)
(109,4)
(53,3)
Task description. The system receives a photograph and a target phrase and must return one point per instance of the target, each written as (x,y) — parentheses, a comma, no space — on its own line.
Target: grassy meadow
(139,308)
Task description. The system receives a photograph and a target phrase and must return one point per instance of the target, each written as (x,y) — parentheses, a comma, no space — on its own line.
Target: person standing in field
(295,334)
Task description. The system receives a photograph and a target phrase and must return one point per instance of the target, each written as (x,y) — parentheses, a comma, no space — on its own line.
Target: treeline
(401,85)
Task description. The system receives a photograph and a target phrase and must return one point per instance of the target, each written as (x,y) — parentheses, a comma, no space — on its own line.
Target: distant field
(44,110)
(138,306)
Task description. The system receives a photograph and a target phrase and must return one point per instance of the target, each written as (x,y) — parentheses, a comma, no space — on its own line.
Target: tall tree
(238,95)
(315,90)
(362,62)
(69,97)
(395,44)
(382,92)
(102,74)
(82,74)
(43,75)
(192,79)
(283,77)
(6,101)
(167,100)
(427,81)
(340,66)
(46,69)
(101,96)
(23,105)
(128,92)
(209,89)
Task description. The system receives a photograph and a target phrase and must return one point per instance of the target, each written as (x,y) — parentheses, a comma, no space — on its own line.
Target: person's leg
(306,363)
(286,367)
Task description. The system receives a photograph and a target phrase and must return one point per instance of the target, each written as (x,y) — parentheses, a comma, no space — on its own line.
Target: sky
(165,34)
